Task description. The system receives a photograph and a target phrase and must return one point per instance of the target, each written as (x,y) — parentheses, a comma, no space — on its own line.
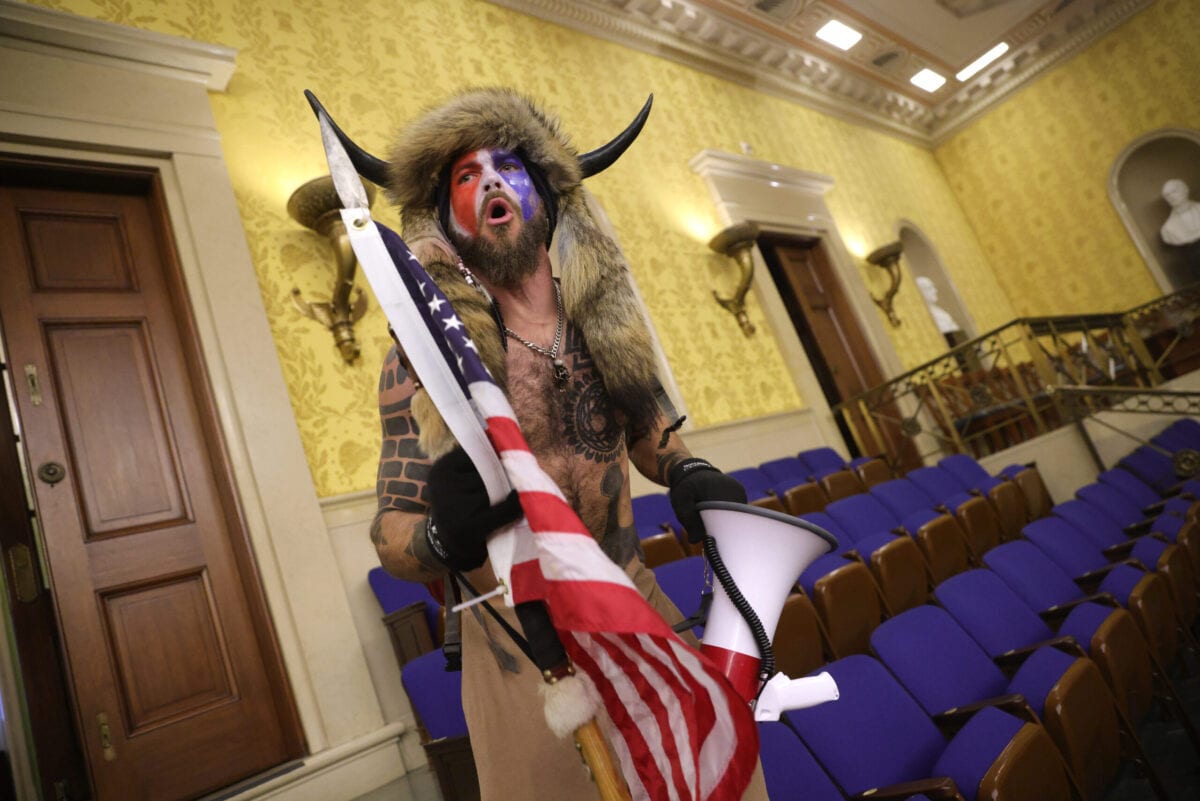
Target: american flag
(679,729)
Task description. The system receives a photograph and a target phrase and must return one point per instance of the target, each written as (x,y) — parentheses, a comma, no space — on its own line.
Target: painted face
(487,189)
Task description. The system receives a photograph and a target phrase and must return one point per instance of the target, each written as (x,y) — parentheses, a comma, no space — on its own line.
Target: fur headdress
(597,295)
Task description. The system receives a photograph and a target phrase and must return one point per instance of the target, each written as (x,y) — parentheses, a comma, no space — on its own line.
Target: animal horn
(601,158)
(372,168)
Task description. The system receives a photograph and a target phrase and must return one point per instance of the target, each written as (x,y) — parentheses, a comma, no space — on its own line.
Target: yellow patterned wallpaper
(1032,175)
(377,64)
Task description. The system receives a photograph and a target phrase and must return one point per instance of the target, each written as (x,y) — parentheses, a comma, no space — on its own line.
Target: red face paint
(476,178)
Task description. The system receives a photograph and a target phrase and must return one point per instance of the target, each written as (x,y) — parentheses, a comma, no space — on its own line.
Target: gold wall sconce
(736,242)
(315,205)
(888,258)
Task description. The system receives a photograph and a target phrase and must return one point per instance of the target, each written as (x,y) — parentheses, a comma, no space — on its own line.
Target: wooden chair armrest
(1154,509)
(1089,581)
(941,787)
(1139,528)
(1119,551)
(954,719)
(1066,644)
(1058,612)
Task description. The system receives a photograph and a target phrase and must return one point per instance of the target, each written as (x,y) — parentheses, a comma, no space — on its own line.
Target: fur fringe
(597,295)
(474,119)
(471,307)
(567,704)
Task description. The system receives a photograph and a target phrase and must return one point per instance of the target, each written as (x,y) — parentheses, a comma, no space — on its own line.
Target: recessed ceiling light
(928,80)
(839,34)
(981,62)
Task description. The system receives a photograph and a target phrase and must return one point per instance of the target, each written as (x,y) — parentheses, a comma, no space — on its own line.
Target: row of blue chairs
(901,538)
(806,482)
(1003,603)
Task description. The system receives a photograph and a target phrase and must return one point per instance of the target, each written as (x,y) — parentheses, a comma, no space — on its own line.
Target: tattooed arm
(656,451)
(398,528)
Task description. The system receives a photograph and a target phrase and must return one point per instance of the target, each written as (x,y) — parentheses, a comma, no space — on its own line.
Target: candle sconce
(887,258)
(315,205)
(736,242)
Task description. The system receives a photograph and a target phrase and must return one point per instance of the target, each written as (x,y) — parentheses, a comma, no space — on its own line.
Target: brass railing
(1001,388)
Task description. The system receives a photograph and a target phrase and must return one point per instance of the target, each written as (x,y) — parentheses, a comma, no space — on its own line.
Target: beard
(505,263)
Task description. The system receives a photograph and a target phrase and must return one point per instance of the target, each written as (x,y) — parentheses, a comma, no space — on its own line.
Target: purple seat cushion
(991,612)
(871,737)
(961,673)
(976,746)
(436,694)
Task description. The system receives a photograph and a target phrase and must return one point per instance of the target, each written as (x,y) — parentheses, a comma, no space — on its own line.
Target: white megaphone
(764,552)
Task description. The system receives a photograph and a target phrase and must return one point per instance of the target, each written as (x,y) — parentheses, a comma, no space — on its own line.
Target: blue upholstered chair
(950,675)
(877,736)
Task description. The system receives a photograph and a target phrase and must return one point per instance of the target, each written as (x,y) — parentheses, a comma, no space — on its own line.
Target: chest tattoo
(588,421)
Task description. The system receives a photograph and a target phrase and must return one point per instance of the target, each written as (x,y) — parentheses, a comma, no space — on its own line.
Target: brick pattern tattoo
(403,469)
(402,480)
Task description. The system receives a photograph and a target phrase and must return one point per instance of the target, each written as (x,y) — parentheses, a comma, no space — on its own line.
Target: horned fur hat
(597,295)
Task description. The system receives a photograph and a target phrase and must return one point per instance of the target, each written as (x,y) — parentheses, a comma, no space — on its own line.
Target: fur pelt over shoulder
(597,294)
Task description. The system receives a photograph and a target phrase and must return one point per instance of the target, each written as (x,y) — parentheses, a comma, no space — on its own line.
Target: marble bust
(943,319)
(1182,226)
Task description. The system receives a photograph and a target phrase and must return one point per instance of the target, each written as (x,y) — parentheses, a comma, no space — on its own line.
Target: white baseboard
(346,771)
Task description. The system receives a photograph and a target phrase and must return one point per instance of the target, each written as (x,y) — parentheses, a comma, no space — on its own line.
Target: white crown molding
(704,39)
(37,28)
(714,163)
(733,52)
(1022,66)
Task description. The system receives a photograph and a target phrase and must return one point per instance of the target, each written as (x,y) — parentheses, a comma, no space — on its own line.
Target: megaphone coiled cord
(766,651)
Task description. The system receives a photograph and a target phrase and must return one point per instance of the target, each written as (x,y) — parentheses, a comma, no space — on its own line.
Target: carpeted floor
(1175,757)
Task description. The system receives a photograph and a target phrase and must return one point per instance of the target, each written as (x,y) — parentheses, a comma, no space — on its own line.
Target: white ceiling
(955,32)
(771,46)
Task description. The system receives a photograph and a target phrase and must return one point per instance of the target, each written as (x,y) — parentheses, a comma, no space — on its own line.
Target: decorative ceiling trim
(744,56)
(705,39)
(1020,68)
(35,27)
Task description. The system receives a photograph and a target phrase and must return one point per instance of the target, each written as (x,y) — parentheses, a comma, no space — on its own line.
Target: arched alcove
(923,262)
(1135,188)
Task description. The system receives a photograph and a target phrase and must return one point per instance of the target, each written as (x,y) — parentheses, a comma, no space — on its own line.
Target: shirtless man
(434,515)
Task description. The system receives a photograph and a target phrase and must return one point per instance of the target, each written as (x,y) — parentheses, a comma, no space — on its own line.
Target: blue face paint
(474,174)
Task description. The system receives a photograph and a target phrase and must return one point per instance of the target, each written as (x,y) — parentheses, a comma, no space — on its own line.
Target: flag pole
(594,747)
(567,703)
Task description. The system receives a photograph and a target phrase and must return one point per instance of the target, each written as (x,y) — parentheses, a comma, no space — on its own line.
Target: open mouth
(497,212)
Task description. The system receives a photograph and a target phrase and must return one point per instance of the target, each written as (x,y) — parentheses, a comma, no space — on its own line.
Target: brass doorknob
(51,473)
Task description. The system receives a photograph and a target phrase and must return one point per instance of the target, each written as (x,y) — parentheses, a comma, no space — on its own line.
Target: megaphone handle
(761,638)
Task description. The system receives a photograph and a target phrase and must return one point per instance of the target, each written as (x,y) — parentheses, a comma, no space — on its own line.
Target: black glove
(460,515)
(695,480)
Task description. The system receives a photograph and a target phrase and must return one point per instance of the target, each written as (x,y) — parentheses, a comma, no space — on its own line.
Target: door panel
(142,488)
(171,676)
(169,652)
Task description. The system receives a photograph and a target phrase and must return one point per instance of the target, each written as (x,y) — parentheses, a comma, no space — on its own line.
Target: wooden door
(175,679)
(836,347)
(60,765)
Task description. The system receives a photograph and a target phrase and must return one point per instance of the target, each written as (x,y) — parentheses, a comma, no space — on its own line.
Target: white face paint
(487,187)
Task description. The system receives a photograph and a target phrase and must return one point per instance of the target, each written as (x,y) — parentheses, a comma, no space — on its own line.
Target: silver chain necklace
(560,370)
